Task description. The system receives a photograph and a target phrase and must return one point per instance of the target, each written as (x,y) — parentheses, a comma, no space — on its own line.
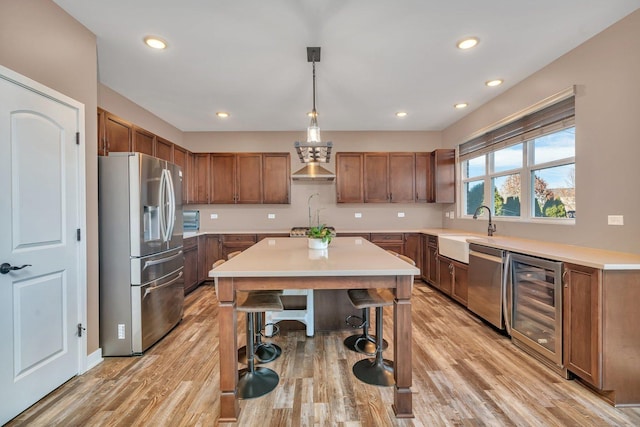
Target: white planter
(317,244)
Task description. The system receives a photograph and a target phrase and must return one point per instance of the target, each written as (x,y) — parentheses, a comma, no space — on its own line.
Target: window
(524,170)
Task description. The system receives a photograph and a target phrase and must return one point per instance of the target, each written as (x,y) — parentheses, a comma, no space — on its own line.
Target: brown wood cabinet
(389,241)
(452,279)
(201,178)
(349,174)
(430,259)
(118,134)
(143,141)
(248,179)
(236,242)
(422,167)
(180,159)
(164,150)
(383,177)
(376,177)
(102,137)
(389,177)
(441,186)
(190,250)
(600,327)
(413,249)
(582,317)
(460,288)
(223,178)
(276,178)
(211,248)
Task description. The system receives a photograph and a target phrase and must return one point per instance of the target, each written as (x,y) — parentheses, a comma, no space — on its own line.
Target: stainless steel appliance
(191,220)
(486,292)
(536,308)
(141,259)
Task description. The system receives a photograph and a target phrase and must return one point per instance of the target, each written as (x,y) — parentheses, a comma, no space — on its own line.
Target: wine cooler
(536,308)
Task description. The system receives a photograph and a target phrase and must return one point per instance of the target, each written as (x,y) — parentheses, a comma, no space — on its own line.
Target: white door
(40,211)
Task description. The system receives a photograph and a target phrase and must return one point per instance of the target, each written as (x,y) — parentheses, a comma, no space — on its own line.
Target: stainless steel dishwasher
(486,292)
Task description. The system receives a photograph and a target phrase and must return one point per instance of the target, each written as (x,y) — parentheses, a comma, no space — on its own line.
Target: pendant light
(314,150)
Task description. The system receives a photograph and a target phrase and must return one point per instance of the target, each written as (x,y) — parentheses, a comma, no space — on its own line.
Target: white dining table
(287,263)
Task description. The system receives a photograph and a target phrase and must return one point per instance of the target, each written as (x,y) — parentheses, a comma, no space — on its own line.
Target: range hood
(313,172)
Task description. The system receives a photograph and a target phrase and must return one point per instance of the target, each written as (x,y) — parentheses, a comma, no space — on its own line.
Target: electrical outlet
(446,214)
(121,331)
(271,216)
(452,214)
(214,216)
(615,220)
(358,215)
(400,214)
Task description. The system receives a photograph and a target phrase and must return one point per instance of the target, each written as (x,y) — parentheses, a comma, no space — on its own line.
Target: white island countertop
(284,256)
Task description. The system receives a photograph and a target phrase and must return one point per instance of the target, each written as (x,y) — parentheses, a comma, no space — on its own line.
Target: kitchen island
(285,263)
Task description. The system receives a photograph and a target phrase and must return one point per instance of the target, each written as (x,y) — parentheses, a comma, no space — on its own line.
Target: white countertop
(284,256)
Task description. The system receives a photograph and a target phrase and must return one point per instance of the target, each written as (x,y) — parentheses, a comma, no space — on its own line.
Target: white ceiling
(248,57)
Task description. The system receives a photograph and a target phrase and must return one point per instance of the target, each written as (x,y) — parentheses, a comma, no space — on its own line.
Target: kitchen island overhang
(284,263)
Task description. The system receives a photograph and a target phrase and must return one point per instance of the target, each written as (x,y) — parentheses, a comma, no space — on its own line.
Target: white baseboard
(94,359)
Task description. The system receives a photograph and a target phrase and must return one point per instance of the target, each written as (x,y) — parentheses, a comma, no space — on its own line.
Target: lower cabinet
(413,249)
(389,241)
(453,279)
(190,271)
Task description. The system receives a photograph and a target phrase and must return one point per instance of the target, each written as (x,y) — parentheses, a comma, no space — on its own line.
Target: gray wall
(605,70)
(41,41)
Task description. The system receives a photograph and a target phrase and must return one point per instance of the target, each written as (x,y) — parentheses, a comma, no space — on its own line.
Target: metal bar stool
(364,343)
(256,381)
(264,352)
(377,371)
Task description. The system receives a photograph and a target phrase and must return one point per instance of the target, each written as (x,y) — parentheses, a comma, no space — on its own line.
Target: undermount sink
(454,246)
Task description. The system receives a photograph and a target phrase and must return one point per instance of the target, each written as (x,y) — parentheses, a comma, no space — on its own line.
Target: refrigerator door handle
(161,261)
(151,289)
(164,228)
(172,205)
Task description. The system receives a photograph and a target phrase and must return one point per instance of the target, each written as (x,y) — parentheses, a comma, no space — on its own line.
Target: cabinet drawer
(432,241)
(228,238)
(386,237)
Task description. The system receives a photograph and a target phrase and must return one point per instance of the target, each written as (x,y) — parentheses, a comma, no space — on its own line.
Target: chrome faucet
(492,227)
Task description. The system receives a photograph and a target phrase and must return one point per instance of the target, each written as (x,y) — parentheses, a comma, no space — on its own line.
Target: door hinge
(77,138)
(80,329)
(78,234)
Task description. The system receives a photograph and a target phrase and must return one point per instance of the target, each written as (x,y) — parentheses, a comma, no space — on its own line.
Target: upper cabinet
(180,158)
(164,150)
(118,134)
(250,178)
(349,174)
(441,178)
(143,141)
(396,177)
(276,178)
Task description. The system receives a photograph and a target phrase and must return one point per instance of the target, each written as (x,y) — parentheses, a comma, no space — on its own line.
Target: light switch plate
(615,220)
(271,216)
(358,215)
(214,216)
(400,214)
(447,214)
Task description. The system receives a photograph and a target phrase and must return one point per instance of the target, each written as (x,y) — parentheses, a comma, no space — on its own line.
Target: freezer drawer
(150,268)
(157,307)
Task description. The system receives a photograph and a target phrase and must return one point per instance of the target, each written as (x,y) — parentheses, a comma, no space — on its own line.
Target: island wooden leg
(402,354)
(228,339)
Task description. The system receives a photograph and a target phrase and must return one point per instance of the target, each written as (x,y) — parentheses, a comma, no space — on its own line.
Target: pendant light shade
(314,150)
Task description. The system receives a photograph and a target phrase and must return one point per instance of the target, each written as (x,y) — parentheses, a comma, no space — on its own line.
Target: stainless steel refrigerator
(141,259)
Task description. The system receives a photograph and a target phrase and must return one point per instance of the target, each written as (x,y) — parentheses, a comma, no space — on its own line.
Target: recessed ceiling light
(495,82)
(222,114)
(155,42)
(401,114)
(461,105)
(468,43)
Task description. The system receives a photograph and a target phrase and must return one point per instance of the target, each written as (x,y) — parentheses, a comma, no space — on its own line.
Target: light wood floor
(464,374)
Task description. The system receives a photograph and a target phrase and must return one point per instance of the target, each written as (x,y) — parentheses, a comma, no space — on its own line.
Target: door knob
(6,267)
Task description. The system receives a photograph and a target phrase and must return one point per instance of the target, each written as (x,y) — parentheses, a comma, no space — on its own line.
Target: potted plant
(319,237)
